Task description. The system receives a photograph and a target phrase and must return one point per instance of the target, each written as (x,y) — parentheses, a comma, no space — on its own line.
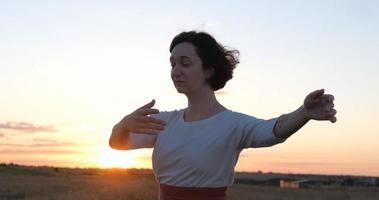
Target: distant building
(286,183)
(290,183)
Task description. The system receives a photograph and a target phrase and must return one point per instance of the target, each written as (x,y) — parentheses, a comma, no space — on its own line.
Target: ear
(209,72)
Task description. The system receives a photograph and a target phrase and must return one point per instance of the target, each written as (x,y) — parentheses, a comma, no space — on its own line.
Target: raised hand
(139,121)
(320,106)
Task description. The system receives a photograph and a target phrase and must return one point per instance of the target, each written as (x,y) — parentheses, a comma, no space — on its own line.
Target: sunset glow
(70,70)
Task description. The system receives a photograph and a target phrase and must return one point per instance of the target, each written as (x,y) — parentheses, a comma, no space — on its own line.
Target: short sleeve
(138,140)
(254,132)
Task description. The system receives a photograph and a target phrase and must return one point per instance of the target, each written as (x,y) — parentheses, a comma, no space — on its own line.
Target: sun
(109,158)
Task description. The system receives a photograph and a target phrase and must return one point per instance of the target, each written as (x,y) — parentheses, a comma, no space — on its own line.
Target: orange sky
(69,71)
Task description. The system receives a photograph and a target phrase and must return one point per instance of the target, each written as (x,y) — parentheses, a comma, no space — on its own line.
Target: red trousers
(168,192)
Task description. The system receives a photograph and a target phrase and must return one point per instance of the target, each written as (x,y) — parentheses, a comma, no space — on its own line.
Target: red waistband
(174,192)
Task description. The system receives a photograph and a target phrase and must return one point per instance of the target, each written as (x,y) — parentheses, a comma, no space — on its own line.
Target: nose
(176,72)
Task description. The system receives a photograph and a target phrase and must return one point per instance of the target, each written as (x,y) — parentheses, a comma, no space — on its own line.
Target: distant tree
(348,181)
(377,182)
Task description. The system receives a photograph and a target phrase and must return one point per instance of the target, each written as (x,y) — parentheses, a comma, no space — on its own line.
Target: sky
(70,70)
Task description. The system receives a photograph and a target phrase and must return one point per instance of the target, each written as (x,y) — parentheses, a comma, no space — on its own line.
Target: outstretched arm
(317,105)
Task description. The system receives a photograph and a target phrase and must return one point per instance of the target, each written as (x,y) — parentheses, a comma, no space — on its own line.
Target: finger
(330,98)
(333,119)
(332,112)
(152,126)
(148,111)
(142,118)
(151,120)
(316,94)
(157,121)
(328,107)
(147,131)
(327,98)
(149,105)
(146,122)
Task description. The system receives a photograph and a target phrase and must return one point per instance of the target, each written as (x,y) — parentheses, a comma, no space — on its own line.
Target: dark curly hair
(212,55)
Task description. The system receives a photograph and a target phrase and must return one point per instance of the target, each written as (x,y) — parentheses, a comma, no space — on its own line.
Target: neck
(202,105)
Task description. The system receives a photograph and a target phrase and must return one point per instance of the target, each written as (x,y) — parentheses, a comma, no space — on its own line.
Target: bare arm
(288,124)
(317,106)
(119,137)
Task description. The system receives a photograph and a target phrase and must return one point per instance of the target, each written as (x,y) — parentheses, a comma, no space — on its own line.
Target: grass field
(53,183)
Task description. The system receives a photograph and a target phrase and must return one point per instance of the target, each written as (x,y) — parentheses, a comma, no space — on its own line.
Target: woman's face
(187,71)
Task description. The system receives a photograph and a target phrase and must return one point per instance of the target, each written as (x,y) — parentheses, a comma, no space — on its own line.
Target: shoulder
(243,121)
(167,115)
(240,117)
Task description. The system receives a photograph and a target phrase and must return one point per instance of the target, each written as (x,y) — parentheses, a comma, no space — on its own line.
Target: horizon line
(136,168)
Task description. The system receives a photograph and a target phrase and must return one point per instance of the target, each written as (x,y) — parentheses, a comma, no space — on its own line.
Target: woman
(197,148)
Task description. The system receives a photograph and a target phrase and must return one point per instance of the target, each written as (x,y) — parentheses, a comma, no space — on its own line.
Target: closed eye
(172,62)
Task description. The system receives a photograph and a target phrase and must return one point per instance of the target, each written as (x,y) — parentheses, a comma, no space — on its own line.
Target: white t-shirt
(203,153)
